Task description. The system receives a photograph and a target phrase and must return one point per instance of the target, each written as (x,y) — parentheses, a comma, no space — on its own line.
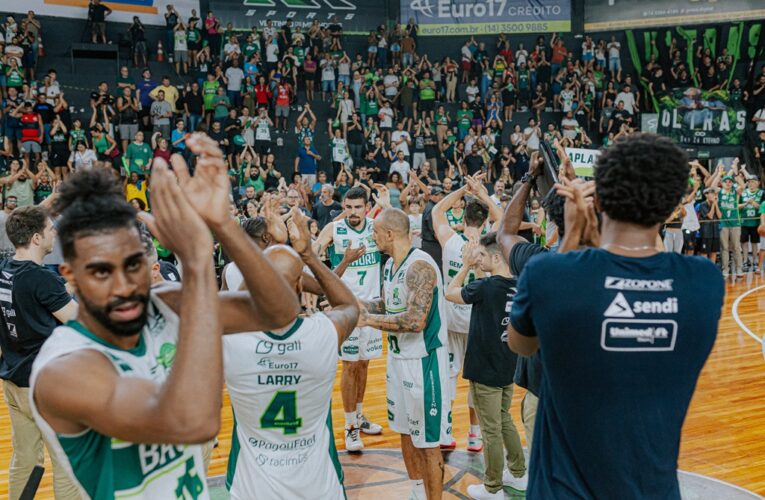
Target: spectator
(180,47)
(144,88)
(98,13)
(327,208)
(161,113)
(81,157)
(614,59)
(138,156)
(34,302)
(306,161)
(730,221)
(128,109)
(401,167)
(138,43)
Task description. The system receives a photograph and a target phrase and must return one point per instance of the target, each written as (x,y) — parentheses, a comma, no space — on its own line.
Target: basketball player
(280,384)
(413,312)
(458,315)
(363,277)
(620,361)
(127,372)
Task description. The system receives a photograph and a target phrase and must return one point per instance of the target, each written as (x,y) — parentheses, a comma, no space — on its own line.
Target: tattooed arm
(376,306)
(421,279)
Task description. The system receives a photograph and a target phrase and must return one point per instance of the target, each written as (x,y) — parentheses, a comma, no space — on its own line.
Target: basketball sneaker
(516,483)
(475,442)
(479,491)
(449,447)
(368,427)
(353,442)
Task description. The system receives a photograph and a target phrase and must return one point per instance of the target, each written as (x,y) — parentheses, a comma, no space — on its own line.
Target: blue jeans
(234,96)
(614,64)
(407,59)
(170,41)
(193,122)
(346,79)
(382,57)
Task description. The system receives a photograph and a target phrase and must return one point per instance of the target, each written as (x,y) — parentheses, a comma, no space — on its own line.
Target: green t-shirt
(454,219)
(209,91)
(221,104)
(749,212)
(250,49)
(426,91)
(123,79)
(138,156)
(523,80)
(14,77)
(192,35)
(372,107)
(728,203)
(76,135)
(464,119)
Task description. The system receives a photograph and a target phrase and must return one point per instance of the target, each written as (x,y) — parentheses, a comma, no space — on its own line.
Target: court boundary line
(737,318)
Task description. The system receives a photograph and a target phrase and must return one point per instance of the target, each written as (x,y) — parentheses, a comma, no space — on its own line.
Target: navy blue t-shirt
(622,341)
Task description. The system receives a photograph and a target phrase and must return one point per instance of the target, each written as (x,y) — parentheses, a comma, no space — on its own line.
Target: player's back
(280,388)
(457,315)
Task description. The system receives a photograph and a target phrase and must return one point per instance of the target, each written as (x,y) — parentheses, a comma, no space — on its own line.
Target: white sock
(358,410)
(350,419)
(475,429)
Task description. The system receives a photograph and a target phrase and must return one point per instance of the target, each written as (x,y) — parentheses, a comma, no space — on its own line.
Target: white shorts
(362,344)
(761,244)
(457,349)
(418,399)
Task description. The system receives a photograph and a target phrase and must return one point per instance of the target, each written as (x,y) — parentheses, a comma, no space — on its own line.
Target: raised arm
(421,280)
(345,310)
(83,390)
(507,234)
(440,223)
(269,302)
(469,261)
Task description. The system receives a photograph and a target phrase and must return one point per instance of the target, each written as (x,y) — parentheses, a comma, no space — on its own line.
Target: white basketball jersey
(362,276)
(414,345)
(280,388)
(457,315)
(105,467)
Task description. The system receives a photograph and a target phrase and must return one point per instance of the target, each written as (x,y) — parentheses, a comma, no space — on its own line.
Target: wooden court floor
(724,434)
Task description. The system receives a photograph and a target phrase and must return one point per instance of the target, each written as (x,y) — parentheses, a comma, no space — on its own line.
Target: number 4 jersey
(280,388)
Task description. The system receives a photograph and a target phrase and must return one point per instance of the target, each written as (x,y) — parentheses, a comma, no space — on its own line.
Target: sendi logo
(615,283)
(621,308)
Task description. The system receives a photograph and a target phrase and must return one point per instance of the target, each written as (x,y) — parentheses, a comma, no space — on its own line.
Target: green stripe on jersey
(90,456)
(233,456)
(333,451)
(432,325)
(431,381)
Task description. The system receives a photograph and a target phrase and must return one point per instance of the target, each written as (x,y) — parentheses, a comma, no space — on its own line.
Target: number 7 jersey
(362,276)
(280,388)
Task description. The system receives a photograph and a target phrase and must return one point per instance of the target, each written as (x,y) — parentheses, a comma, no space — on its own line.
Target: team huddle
(126,371)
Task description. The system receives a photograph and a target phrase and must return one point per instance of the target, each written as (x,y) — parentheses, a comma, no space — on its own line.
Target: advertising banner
(583,160)
(355,16)
(150,11)
(605,15)
(487,17)
(700,117)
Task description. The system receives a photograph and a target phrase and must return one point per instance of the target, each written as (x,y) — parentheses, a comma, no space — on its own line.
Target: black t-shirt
(194,102)
(99,12)
(620,366)
(709,229)
(488,359)
(325,213)
(45,111)
(29,295)
(474,164)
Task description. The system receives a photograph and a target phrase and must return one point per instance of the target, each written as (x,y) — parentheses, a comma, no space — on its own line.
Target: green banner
(700,117)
